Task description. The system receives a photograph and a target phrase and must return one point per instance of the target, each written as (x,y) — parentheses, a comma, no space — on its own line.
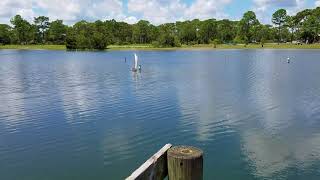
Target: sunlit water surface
(84,115)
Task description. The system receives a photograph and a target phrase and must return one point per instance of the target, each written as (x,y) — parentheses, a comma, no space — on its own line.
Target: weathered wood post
(185,162)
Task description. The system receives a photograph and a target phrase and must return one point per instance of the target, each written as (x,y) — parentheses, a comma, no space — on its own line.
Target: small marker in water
(288,60)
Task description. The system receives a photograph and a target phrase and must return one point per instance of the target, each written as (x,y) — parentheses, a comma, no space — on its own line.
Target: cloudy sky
(156,11)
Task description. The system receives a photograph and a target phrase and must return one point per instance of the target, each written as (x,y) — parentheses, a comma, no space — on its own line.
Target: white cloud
(67,10)
(203,9)
(156,11)
(317,3)
(130,19)
(278,3)
(264,8)
(60,9)
(9,8)
(110,8)
(81,9)
(160,11)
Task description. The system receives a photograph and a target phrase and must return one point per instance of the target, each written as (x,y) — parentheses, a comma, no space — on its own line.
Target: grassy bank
(186,47)
(220,46)
(34,47)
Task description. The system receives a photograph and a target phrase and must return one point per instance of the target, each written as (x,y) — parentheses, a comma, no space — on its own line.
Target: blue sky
(155,11)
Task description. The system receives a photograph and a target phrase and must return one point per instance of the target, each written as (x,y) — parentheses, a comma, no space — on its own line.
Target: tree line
(304,27)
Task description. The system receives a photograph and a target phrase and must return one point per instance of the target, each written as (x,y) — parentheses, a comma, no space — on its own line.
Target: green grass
(254,46)
(34,47)
(220,46)
(183,47)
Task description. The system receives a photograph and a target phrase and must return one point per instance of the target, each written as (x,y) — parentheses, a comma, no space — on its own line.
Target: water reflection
(78,90)
(283,139)
(255,116)
(277,123)
(12,97)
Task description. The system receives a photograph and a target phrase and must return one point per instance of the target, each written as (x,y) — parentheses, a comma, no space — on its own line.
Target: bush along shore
(301,30)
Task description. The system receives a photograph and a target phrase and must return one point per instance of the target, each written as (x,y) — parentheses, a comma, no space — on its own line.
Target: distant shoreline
(184,47)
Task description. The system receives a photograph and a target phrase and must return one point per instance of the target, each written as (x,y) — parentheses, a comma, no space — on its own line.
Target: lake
(85,115)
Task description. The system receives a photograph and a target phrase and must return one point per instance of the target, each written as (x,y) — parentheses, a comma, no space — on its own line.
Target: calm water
(84,115)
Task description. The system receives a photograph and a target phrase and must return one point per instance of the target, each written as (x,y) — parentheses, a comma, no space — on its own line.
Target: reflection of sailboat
(135,67)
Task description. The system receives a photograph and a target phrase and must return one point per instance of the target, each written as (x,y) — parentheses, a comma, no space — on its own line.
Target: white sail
(135,61)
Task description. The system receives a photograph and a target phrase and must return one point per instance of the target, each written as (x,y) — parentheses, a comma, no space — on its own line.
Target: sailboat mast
(135,61)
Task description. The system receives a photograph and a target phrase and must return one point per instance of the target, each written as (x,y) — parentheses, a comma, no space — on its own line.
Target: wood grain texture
(185,163)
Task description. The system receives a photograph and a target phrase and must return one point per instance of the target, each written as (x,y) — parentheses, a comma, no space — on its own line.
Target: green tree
(141,32)
(292,25)
(85,35)
(71,39)
(305,26)
(167,37)
(226,30)
(262,33)
(279,18)
(57,32)
(310,29)
(99,41)
(42,24)
(23,29)
(215,43)
(316,15)
(124,34)
(247,26)
(208,30)
(187,32)
(5,34)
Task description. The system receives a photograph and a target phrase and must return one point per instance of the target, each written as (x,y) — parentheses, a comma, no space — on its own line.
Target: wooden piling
(185,162)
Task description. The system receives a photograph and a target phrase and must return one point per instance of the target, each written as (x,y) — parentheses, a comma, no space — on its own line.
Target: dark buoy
(125,59)
(288,60)
(139,68)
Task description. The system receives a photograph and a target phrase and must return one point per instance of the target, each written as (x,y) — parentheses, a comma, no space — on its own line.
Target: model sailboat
(135,68)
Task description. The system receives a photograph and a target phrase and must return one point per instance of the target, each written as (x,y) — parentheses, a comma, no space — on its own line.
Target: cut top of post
(185,152)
